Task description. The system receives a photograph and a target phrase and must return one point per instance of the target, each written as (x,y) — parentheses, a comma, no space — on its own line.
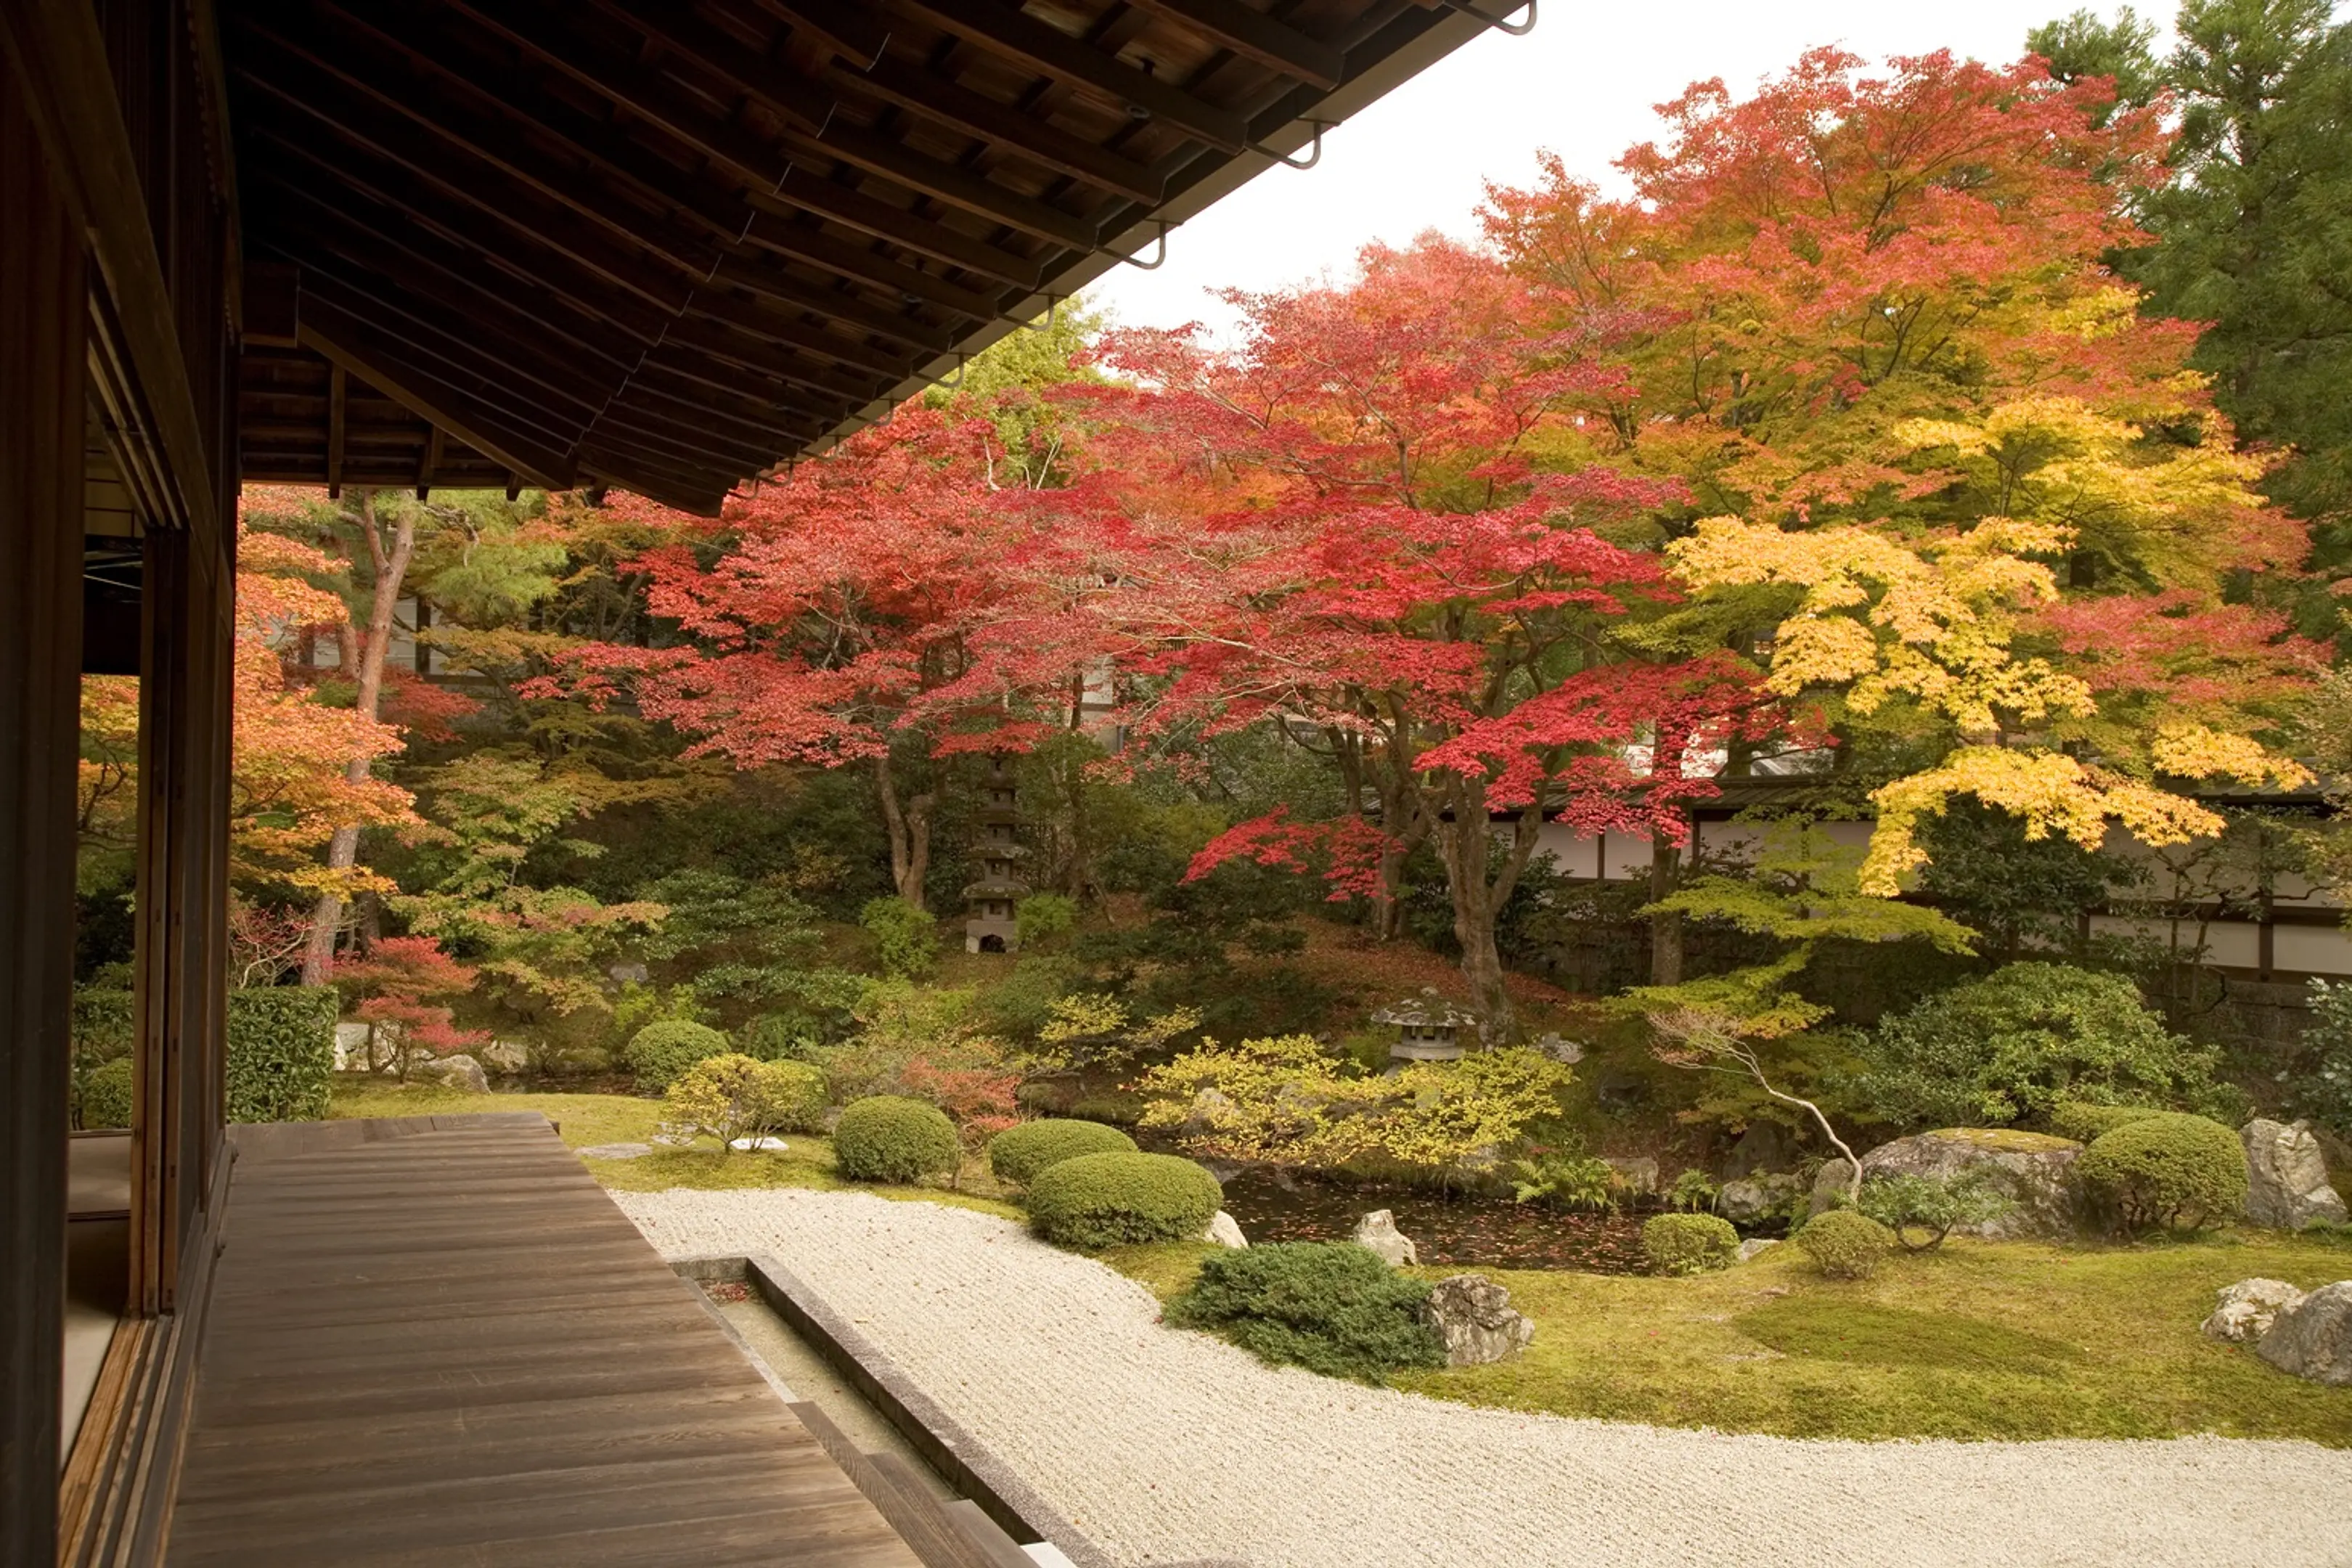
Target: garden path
(1163,1446)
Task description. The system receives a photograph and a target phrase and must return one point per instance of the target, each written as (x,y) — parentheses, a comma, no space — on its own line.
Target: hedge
(281,1052)
(1689,1243)
(1331,1305)
(1109,1200)
(1018,1154)
(890,1138)
(660,1054)
(2171,1170)
(106,1094)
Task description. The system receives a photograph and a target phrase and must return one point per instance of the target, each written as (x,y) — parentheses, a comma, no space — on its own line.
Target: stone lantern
(989,924)
(1429,1028)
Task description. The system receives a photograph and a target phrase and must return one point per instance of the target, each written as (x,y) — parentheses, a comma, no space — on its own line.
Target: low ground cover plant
(660,1054)
(736,1097)
(890,1138)
(1017,1155)
(1921,1211)
(2171,1171)
(1096,1201)
(1845,1244)
(1332,1307)
(1689,1243)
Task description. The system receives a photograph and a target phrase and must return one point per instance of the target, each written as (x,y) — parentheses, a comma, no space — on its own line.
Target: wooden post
(43,307)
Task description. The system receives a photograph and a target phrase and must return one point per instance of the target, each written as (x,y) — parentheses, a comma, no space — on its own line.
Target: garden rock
(1754,1198)
(1756,1246)
(1763,1147)
(764,1145)
(460,1071)
(2312,1339)
(1377,1231)
(1639,1175)
(505,1056)
(1476,1319)
(2243,1312)
(2286,1177)
(351,1047)
(1225,1230)
(2032,1170)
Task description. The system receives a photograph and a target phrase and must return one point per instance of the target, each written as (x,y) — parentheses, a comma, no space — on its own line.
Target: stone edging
(962,1461)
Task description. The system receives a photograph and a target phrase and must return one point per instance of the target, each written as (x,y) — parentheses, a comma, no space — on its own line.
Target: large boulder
(1476,1319)
(2243,1312)
(460,1071)
(2312,1339)
(2032,1170)
(1377,1231)
(1638,1173)
(1765,1146)
(2286,1177)
(505,1056)
(1756,1247)
(1225,1230)
(1751,1200)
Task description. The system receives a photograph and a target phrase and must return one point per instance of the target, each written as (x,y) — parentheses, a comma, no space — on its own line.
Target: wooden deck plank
(435,1340)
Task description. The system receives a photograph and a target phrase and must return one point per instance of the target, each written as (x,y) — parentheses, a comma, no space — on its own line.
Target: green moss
(2007,1140)
(1166,1269)
(2007,1339)
(583,1120)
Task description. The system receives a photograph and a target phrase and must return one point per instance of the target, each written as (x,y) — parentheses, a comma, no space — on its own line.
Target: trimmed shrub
(1689,1243)
(889,1138)
(1931,1206)
(660,1054)
(1845,1244)
(106,1094)
(1329,1305)
(906,939)
(736,1096)
(1096,1201)
(281,1052)
(2168,1170)
(2013,1046)
(1018,1153)
(2085,1124)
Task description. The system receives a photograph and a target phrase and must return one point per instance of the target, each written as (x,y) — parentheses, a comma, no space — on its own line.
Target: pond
(1494,1233)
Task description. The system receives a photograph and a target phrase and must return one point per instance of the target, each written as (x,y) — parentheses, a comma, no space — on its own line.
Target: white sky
(1582,84)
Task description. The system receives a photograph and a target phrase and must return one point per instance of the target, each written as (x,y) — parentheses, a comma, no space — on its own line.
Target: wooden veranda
(663,246)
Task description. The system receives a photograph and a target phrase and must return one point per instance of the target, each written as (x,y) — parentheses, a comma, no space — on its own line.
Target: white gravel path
(1163,1446)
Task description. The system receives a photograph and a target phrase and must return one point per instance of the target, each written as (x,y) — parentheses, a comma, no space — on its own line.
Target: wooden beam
(338,410)
(352,344)
(384,80)
(708,337)
(1253,35)
(945,183)
(947,103)
(806,243)
(925,237)
(67,88)
(761,275)
(761,319)
(848,31)
(554,37)
(1019,36)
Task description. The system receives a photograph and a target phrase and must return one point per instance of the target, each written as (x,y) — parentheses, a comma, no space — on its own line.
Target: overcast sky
(1584,84)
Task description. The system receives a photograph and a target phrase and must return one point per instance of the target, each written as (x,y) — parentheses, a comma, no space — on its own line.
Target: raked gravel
(1163,1446)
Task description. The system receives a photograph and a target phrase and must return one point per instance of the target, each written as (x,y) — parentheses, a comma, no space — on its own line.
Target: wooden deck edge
(967,1463)
(280,1140)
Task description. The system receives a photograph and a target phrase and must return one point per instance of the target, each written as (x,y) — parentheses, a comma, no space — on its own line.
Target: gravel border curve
(1163,1446)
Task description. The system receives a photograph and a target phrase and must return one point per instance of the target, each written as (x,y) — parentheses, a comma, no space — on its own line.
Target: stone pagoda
(1429,1028)
(989,925)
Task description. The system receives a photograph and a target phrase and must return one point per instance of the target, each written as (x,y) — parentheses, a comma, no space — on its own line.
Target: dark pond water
(1277,1206)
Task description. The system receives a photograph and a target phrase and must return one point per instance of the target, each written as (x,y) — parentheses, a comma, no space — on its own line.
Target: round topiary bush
(2085,1124)
(660,1054)
(1845,1244)
(1689,1243)
(890,1138)
(1107,1200)
(1331,1305)
(2170,1170)
(106,1094)
(1018,1153)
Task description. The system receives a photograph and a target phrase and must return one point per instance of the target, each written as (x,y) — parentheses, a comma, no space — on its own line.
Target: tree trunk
(363,662)
(910,829)
(1666,926)
(1465,845)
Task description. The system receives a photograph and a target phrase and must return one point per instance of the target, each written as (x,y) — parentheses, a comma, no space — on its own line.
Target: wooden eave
(671,245)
